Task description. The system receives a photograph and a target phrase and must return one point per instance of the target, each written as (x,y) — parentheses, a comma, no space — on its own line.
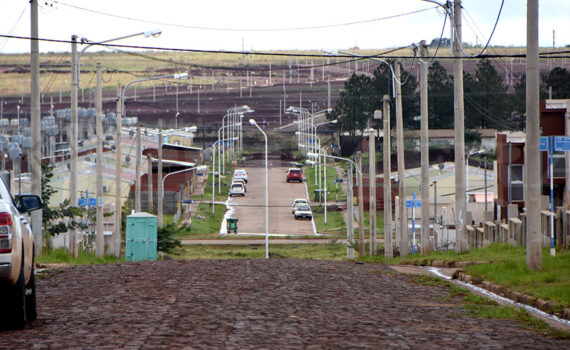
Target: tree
(559,80)
(485,96)
(354,106)
(440,97)
(56,221)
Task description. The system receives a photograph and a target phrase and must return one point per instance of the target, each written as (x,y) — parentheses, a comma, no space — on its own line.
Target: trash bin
(317,195)
(232,224)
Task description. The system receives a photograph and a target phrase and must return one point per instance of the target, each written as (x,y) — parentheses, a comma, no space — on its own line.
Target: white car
(237,189)
(296,202)
(303,211)
(241,181)
(17,283)
(240,174)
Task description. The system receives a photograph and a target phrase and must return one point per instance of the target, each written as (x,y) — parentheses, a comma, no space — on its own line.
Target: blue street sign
(561,143)
(188,201)
(543,143)
(92,202)
(418,203)
(338,180)
(81,202)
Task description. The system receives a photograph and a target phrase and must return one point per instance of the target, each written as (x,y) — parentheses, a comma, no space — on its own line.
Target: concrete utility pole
(424,150)
(118,175)
(149,184)
(460,205)
(138,172)
(73,135)
(36,126)
(388,252)
(99,238)
(372,187)
(401,165)
(159,175)
(350,215)
(532,153)
(360,205)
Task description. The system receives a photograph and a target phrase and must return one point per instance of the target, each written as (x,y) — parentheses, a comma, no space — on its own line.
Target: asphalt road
(255,304)
(250,209)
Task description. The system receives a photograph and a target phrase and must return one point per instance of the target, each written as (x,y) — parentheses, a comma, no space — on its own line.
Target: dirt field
(252,304)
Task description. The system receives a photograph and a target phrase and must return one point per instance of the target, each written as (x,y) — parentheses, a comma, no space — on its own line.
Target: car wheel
(30,293)
(13,303)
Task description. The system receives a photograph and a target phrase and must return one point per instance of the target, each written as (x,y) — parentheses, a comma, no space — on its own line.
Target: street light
(214,171)
(349,203)
(252,122)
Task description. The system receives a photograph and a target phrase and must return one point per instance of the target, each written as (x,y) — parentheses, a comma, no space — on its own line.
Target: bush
(166,241)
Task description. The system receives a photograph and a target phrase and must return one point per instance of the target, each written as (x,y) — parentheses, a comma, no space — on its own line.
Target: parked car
(296,202)
(237,189)
(303,211)
(294,174)
(241,181)
(17,283)
(240,174)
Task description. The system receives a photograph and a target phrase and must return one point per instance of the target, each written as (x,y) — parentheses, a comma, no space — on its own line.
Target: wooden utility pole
(138,172)
(424,150)
(99,238)
(360,204)
(403,234)
(118,175)
(149,184)
(388,252)
(350,216)
(532,151)
(372,187)
(36,158)
(460,205)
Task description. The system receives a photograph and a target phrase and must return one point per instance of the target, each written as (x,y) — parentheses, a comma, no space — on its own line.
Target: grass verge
(328,251)
(203,221)
(61,256)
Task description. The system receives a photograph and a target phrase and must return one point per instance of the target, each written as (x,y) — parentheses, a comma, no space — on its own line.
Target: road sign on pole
(543,143)
(561,143)
(414,203)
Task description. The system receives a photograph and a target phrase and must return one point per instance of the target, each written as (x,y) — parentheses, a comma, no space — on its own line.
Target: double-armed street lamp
(197,168)
(214,170)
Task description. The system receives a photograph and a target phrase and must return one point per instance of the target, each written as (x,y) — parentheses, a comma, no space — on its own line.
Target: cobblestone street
(242,304)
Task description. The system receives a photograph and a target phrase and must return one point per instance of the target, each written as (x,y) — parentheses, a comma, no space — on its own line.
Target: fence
(513,231)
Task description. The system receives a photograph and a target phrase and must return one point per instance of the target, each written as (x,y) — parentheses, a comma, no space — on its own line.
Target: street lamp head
(312,155)
(331,52)
(334,121)
(181,76)
(310,162)
(201,167)
(252,122)
(154,33)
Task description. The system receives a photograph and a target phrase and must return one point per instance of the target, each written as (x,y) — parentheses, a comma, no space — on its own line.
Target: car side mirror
(28,202)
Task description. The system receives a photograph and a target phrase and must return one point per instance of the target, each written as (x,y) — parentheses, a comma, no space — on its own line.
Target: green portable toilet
(141,237)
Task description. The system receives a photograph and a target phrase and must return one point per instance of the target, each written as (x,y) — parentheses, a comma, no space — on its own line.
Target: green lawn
(328,251)
(62,256)
(204,222)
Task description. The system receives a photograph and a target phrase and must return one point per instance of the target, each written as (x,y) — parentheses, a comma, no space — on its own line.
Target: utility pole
(99,238)
(372,186)
(329,94)
(73,141)
(118,175)
(460,205)
(386,159)
(149,184)
(424,150)
(401,165)
(532,151)
(360,204)
(138,173)
(350,215)
(36,126)
(159,175)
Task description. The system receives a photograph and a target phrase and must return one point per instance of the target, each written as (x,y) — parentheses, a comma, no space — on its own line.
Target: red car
(294,174)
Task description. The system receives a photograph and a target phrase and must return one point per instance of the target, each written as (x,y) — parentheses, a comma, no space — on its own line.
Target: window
(559,163)
(516,183)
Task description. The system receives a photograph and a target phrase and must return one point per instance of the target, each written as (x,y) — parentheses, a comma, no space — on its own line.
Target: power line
(277,54)
(168,24)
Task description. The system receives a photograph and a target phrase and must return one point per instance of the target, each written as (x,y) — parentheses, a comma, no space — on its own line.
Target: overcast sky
(105,19)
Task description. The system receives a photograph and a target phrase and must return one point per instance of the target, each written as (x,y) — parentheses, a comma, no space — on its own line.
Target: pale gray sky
(98,21)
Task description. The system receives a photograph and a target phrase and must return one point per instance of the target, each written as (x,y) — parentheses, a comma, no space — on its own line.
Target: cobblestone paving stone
(255,304)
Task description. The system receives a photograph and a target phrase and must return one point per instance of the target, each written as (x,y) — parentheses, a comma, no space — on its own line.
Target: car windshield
(295,171)
(303,207)
(237,186)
